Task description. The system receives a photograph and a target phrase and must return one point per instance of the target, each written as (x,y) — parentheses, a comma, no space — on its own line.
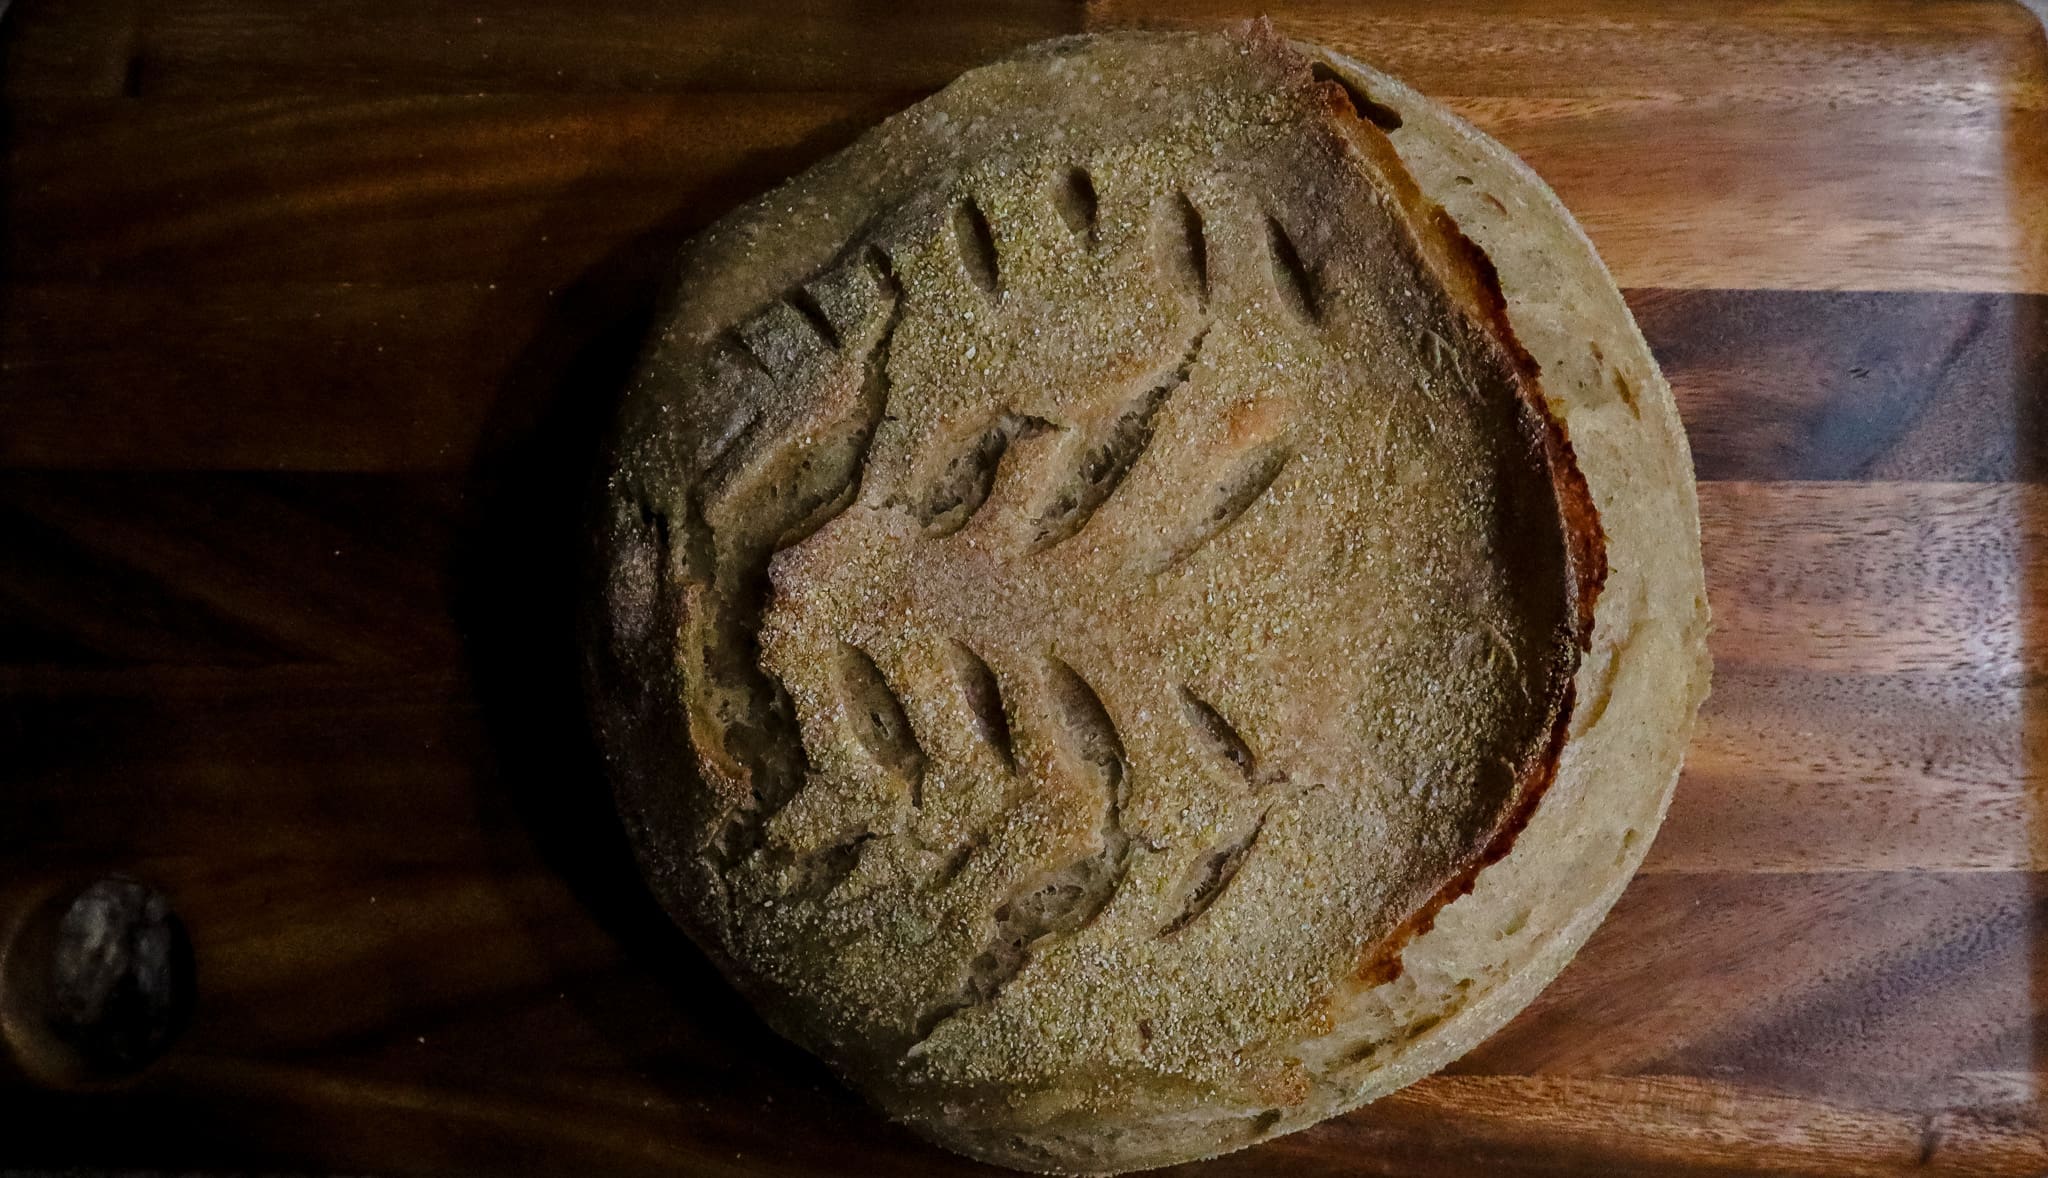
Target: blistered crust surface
(1077,586)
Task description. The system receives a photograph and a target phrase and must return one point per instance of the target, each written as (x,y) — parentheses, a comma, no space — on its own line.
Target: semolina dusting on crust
(1153,599)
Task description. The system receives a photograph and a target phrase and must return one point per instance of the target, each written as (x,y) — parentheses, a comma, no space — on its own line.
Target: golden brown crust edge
(1468,274)
(1639,692)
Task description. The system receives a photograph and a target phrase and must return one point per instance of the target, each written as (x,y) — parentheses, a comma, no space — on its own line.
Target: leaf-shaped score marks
(1105,601)
(976,242)
(986,529)
(1219,501)
(1219,734)
(1212,873)
(983,697)
(1219,865)
(963,486)
(807,305)
(781,471)
(1092,736)
(773,472)
(878,722)
(1109,457)
(817,875)
(1074,197)
(1033,631)
(1181,246)
(1065,900)
(1373,111)
(1294,280)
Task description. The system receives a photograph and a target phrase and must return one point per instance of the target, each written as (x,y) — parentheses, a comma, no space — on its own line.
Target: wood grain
(1907,1024)
(1442,1126)
(235,623)
(221,48)
(1869,385)
(1883,51)
(422,378)
(1678,195)
(1800,770)
(227,570)
(1710,145)
(1875,578)
(277,376)
(1872,50)
(526,189)
(520,187)
(310,315)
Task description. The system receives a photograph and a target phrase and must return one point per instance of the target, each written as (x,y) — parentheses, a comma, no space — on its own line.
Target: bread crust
(901,663)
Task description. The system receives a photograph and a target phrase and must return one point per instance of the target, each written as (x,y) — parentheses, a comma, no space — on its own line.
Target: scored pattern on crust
(1065,899)
(1109,456)
(789,471)
(982,670)
(869,829)
(747,506)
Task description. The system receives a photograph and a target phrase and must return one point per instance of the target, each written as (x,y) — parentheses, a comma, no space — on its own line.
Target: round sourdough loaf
(1151,600)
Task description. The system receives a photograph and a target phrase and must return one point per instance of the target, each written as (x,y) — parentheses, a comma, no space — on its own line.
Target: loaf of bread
(1153,599)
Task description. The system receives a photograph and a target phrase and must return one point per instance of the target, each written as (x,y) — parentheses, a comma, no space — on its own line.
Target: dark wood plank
(373,377)
(312,377)
(77,49)
(224,48)
(217,649)
(514,189)
(1856,385)
(1873,988)
(380,767)
(336,1014)
(227,569)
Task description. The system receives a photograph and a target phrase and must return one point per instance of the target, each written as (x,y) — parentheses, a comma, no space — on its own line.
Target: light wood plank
(1796,145)
(1876,578)
(1658,1124)
(1868,51)
(1813,771)
(1797,195)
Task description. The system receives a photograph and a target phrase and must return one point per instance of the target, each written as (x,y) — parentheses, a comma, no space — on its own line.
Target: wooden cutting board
(311,311)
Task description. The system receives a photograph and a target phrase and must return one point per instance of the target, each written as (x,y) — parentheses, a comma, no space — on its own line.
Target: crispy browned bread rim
(1469,275)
